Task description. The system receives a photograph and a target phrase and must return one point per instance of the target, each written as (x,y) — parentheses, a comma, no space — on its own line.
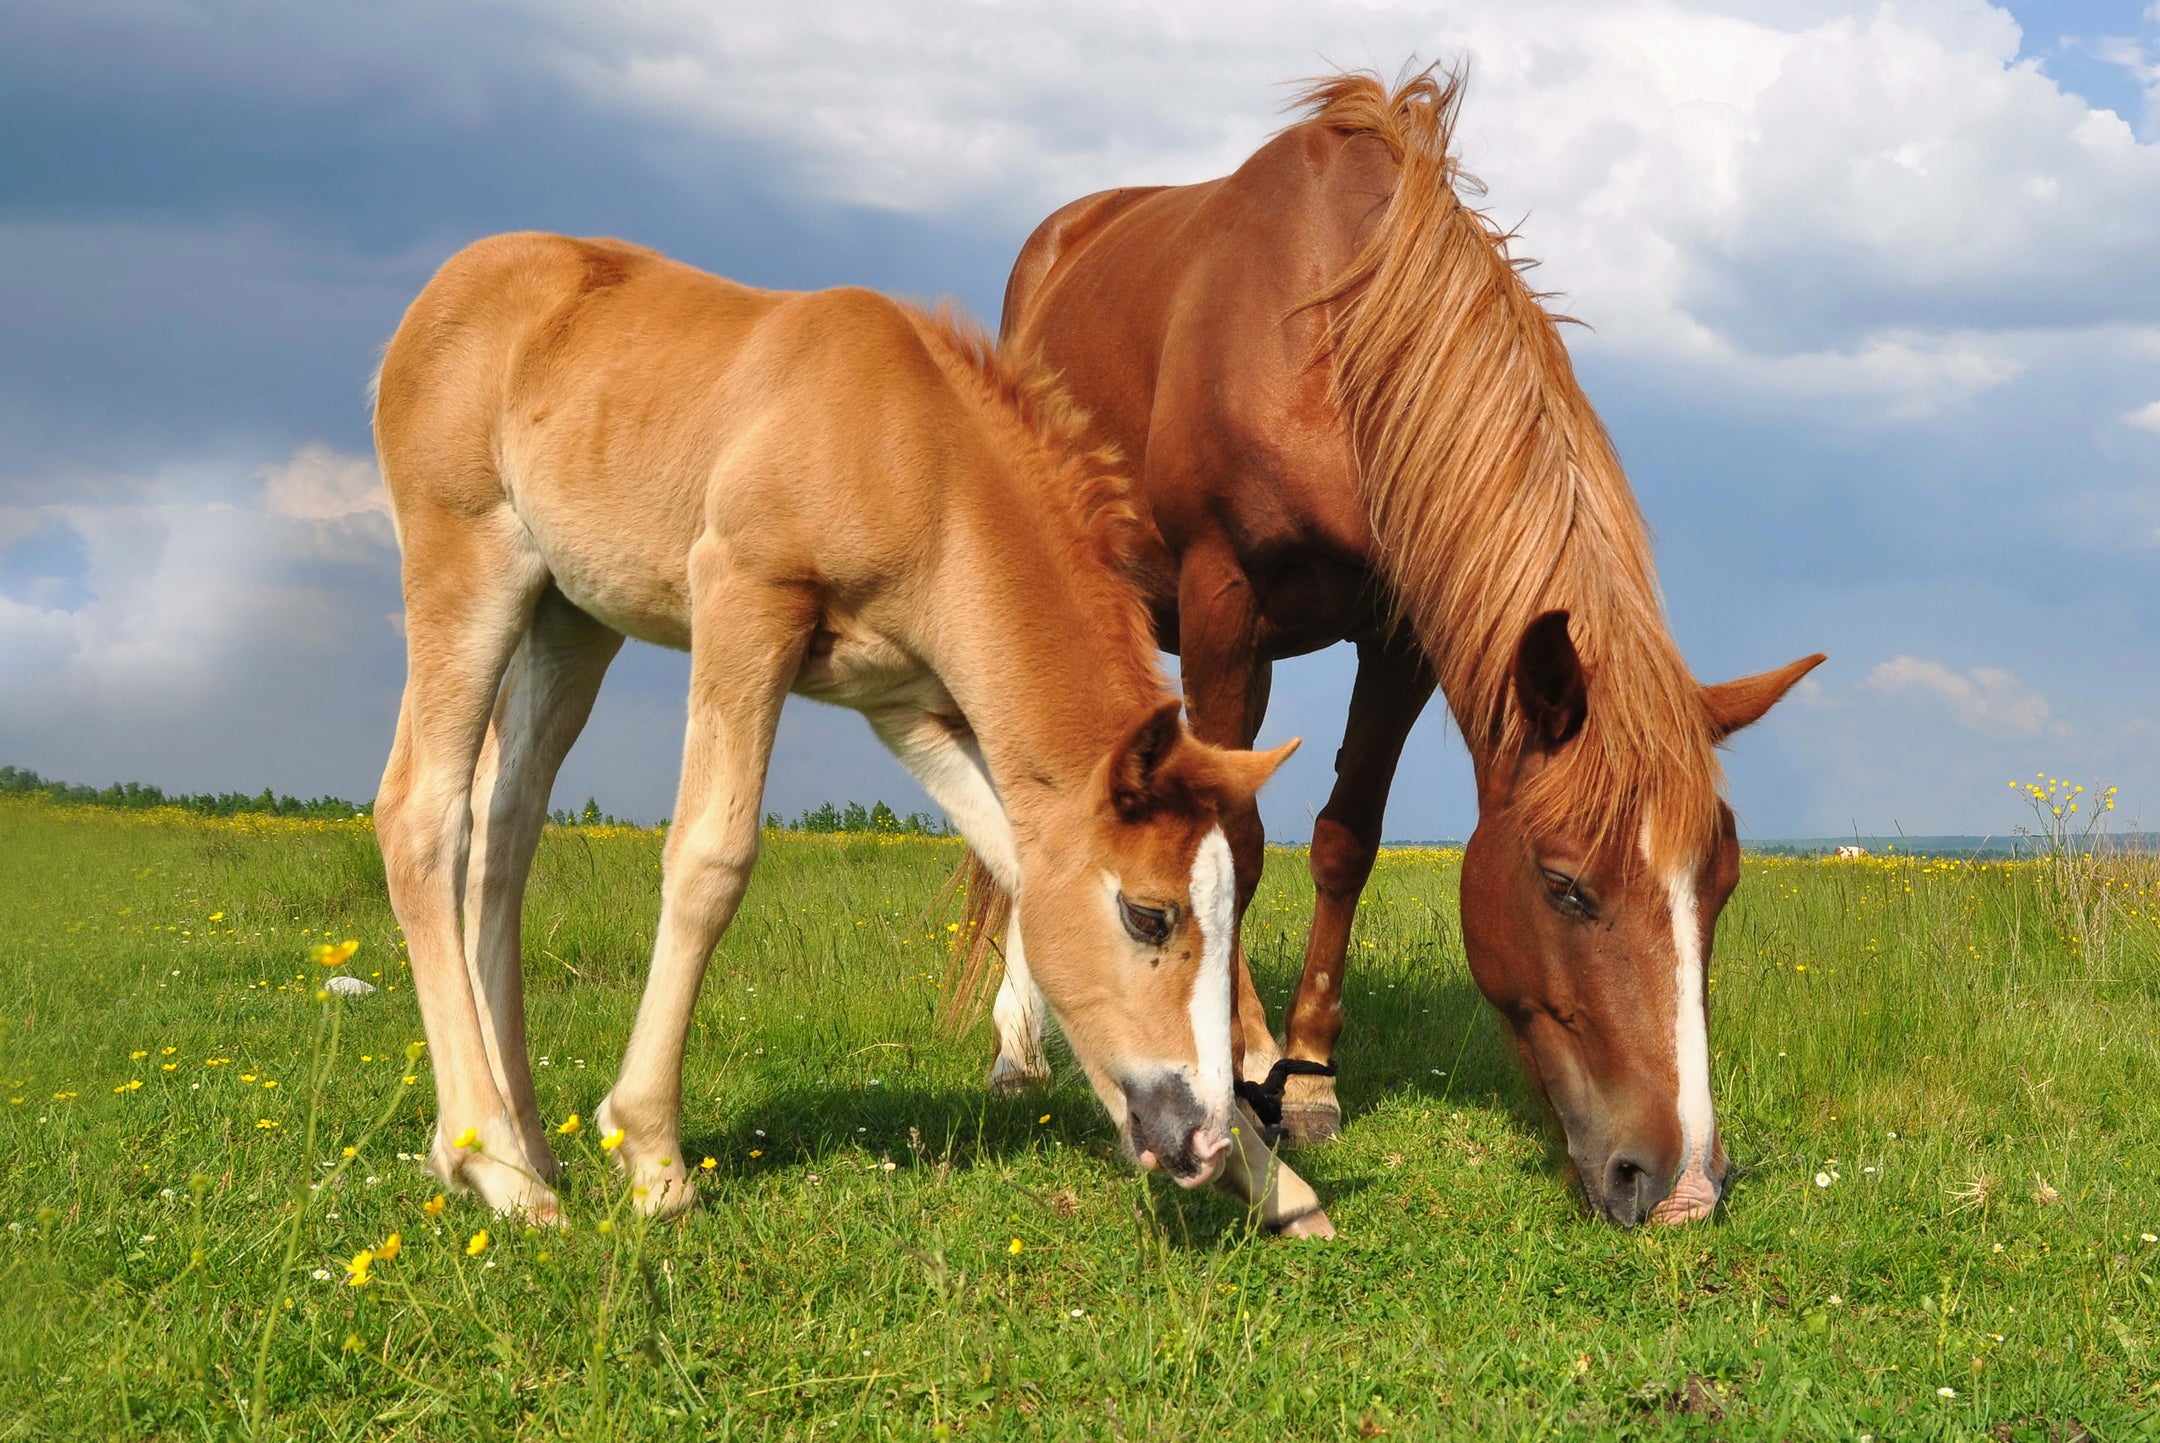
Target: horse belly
(850,665)
(620,557)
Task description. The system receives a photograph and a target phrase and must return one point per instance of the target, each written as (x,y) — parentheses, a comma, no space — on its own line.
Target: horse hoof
(1313,1225)
(1311,1121)
(1008,1079)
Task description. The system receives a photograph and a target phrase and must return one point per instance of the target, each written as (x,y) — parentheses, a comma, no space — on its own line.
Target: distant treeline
(855,817)
(140,796)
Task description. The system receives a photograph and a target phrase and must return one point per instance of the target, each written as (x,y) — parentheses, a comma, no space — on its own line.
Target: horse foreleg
(547,694)
(1226,693)
(747,642)
(1393,685)
(1285,1202)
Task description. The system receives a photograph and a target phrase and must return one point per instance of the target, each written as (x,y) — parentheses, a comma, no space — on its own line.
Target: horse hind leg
(546,696)
(1392,687)
(470,586)
(951,769)
(1018,1014)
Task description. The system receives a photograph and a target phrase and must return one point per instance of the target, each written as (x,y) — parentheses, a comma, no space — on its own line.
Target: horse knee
(706,866)
(1341,860)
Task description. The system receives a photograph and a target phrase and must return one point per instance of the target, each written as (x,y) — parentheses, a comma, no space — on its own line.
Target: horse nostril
(1627,1190)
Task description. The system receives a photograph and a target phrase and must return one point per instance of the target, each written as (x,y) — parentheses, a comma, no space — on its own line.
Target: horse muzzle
(1169,1130)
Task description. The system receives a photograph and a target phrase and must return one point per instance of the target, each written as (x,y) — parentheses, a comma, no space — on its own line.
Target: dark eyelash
(1564,893)
(1149,926)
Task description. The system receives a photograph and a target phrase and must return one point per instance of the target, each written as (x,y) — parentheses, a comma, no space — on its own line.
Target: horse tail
(977,960)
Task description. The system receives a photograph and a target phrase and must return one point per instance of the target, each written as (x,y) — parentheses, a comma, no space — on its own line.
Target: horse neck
(1045,650)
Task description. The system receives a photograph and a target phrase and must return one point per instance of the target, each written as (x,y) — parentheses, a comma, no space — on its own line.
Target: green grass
(1927,1038)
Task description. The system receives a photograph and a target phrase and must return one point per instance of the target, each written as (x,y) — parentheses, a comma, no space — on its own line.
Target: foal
(828,493)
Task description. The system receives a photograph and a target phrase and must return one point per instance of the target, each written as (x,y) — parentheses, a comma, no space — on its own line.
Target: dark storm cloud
(211,217)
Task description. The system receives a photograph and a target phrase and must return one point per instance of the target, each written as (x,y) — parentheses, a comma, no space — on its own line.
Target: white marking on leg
(1214,902)
(1018,1014)
(953,772)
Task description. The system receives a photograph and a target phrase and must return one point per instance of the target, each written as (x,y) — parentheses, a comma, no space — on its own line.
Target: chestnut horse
(832,494)
(1352,420)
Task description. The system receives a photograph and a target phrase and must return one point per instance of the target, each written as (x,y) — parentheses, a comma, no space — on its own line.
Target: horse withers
(828,493)
(1352,419)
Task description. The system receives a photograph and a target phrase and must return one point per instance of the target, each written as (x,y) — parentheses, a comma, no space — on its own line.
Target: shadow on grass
(920,1116)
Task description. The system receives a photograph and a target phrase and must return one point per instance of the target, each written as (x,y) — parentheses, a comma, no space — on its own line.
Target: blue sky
(1874,317)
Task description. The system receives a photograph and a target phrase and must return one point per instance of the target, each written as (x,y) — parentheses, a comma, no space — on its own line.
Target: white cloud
(2145,417)
(1816,203)
(179,593)
(1986,700)
(319,484)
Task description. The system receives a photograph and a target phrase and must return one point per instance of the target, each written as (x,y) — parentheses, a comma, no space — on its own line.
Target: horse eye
(1565,893)
(1147,925)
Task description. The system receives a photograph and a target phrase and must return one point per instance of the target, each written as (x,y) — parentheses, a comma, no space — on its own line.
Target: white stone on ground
(345,986)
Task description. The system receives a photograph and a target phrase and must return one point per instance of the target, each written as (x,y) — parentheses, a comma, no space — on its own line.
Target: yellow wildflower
(570,1125)
(390,1247)
(470,1137)
(356,1271)
(478,1244)
(433,1206)
(217,916)
(709,1164)
(612,1140)
(1015,1247)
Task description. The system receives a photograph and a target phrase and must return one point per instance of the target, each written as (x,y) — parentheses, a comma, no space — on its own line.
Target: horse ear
(1550,684)
(1734,704)
(1249,771)
(1136,763)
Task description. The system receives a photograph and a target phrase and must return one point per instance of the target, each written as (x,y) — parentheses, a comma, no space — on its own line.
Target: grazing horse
(827,493)
(1352,420)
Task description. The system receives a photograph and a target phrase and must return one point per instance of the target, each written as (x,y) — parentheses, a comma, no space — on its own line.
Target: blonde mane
(1494,492)
(1081,482)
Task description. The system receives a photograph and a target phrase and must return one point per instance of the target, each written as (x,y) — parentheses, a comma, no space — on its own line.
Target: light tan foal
(830,493)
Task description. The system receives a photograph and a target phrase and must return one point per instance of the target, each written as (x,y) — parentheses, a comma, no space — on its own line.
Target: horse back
(1181,318)
(623,405)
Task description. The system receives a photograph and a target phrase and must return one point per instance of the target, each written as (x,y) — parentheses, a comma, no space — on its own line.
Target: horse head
(1129,908)
(1595,948)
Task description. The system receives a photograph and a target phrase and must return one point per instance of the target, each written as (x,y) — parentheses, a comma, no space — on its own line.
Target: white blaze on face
(1214,903)
(1691,1035)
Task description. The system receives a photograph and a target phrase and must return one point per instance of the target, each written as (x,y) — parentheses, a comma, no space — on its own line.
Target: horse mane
(1078,480)
(1085,484)
(1494,492)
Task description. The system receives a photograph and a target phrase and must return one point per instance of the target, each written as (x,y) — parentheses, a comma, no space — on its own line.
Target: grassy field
(1937,1081)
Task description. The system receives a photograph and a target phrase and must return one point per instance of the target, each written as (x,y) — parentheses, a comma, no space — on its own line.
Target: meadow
(1937,1081)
